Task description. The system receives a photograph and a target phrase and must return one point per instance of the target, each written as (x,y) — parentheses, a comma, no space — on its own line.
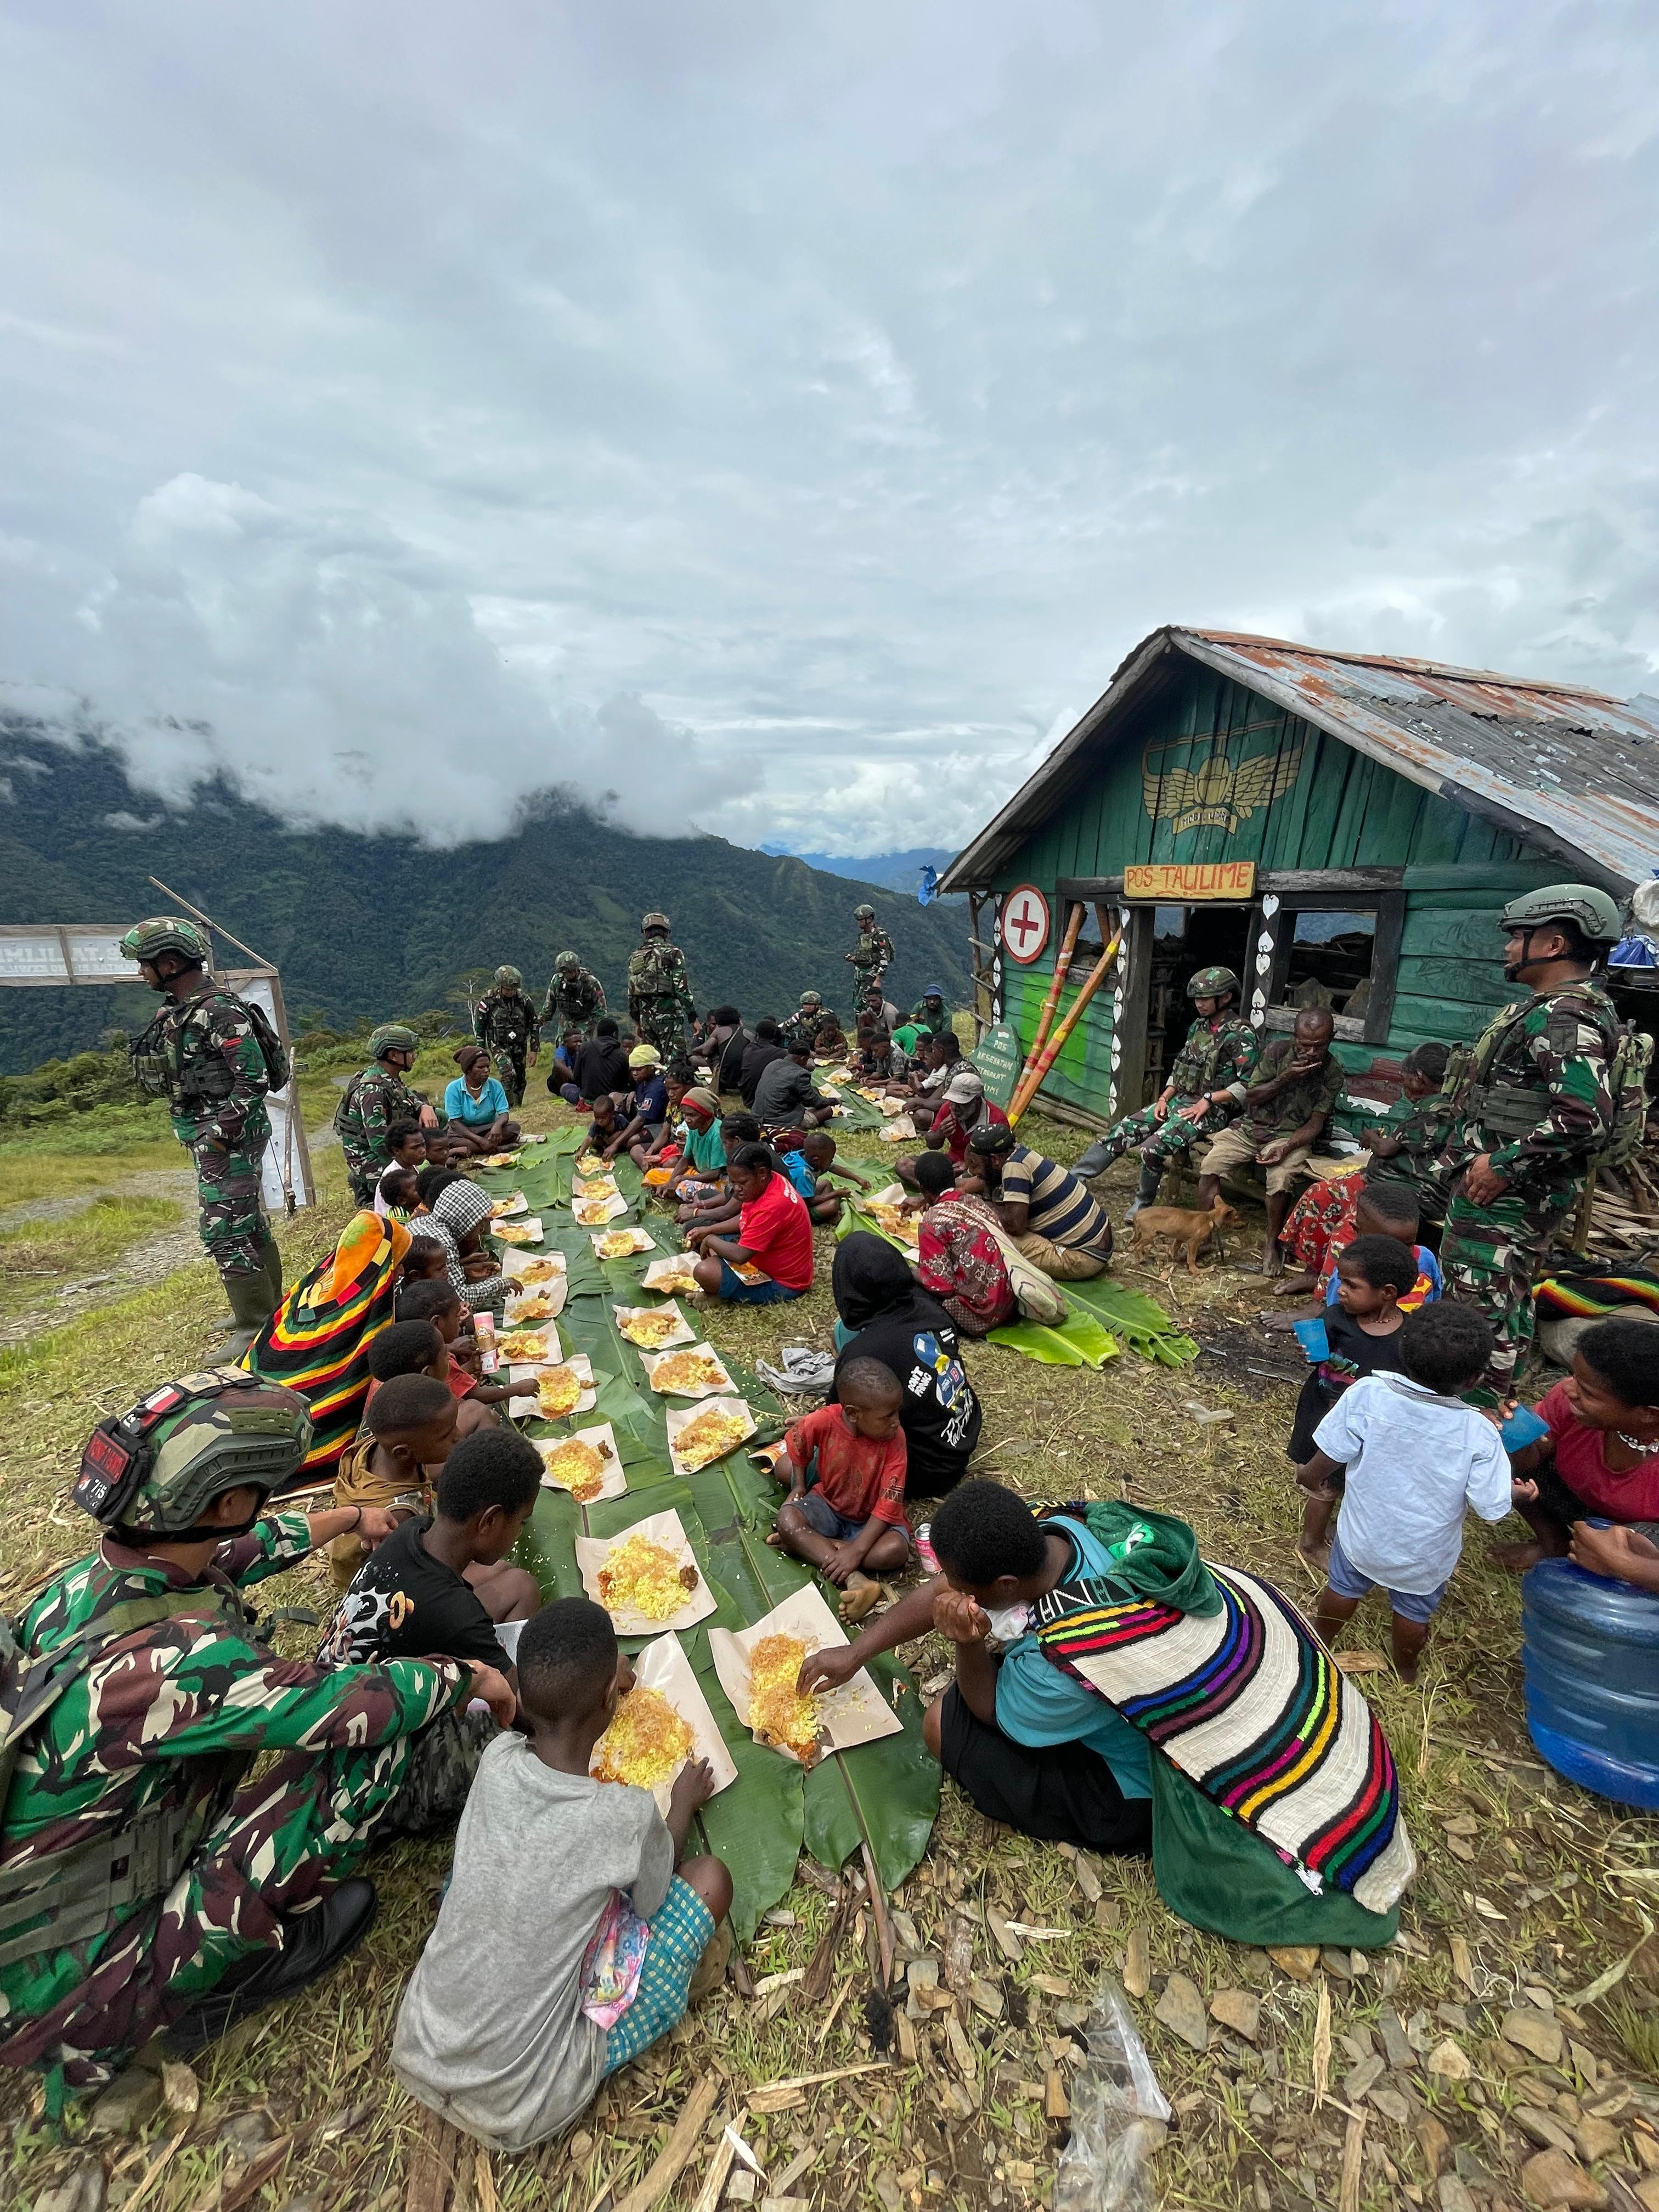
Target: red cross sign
(1025,924)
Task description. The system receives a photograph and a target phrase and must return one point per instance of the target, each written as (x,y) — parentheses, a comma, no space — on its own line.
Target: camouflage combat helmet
(166,932)
(392,1036)
(1212,983)
(811,997)
(653,921)
(567,960)
(1593,911)
(510,979)
(158,1467)
(865,913)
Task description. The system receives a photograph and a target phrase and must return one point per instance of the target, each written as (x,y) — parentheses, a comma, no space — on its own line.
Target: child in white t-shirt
(1416,1457)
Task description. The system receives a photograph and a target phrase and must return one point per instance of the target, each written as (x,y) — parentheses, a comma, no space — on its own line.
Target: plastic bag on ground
(1119,2116)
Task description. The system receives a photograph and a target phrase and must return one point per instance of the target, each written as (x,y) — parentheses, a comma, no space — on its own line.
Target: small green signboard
(999,1058)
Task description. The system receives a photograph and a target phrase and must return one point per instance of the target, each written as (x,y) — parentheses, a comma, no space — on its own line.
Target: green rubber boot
(272,1253)
(1146,1191)
(252,1305)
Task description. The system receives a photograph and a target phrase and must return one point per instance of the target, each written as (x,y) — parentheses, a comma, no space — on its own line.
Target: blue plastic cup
(1315,1341)
(1522,1428)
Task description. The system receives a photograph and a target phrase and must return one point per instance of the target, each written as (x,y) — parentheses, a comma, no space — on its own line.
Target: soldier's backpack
(1627,1079)
(651,971)
(158,1072)
(84,1883)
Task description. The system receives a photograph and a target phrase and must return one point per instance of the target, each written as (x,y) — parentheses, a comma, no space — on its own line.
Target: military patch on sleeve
(1569,1034)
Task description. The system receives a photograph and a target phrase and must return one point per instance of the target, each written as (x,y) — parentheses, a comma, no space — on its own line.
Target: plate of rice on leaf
(663,1722)
(699,1435)
(587,1465)
(553,1393)
(620,1244)
(673,1273)
(507,1209)
(530,1347)
(599,1186)
(696,1372)
(757,1668)
(594,1212)
(524,1310)
(518,1232)
(653,1329)
(646,1577)
(499,1160)
(529,1272)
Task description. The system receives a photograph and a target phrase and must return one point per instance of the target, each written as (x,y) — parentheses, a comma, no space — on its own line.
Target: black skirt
(1061,1793)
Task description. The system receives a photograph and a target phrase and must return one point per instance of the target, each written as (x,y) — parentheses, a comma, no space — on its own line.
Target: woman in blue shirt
(477,1106)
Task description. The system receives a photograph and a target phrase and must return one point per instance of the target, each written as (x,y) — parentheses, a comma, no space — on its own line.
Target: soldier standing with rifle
(508,1028)
(873,956)
(214,1058)
(660,1001)
(574,996)
(1527,1107)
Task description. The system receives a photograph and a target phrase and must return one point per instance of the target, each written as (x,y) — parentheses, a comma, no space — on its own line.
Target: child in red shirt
(774,1244)
(1599,1460)
(852,1516)
(440,1303)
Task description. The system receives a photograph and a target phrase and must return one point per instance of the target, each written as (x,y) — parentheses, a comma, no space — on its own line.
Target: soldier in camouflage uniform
(873,956)
(146,1883)
(1527,1109)
(1205,1090)
(575,996)
(205,1054)
(802,1026)
(508,1028)
(660,1001)
(373,1101)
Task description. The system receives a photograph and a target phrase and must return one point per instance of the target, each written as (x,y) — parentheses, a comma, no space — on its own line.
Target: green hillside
(373,927)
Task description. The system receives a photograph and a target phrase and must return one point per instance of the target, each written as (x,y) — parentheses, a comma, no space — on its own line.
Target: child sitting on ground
(1415,1458)
(398,1194)
(806,1167)
(425,1261)
(408,1431)
(416,1345)
(721,1213)
(852,1515)
(437,1302)
(570,1935)
(1362,1333)
(409,1145)
(604,1130)
(414,1593)
(663,1148)
(1600,1458)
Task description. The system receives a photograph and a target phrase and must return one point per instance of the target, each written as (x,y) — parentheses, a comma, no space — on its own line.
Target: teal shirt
(704,1149)
(1037,1704)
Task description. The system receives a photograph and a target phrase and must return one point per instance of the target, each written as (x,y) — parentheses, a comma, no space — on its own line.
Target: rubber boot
(252,1305)
(1099,1156)
(1147,1190)
(272,1253)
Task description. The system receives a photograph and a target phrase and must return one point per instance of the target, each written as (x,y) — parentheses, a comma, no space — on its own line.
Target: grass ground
(1361,2082)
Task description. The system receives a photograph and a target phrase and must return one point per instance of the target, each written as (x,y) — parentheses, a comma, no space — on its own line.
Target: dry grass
(1525,1882)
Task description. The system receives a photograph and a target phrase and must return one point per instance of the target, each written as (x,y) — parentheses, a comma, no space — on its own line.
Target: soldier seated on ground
(373,1102)
(130,1786)
(1297,1080)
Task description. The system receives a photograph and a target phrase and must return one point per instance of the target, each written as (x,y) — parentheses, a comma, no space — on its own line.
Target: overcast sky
(786,418)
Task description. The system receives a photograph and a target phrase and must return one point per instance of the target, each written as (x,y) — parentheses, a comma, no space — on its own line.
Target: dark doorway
(1184,939)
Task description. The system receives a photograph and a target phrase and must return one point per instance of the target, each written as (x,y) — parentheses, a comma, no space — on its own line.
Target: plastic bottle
(1590,1652)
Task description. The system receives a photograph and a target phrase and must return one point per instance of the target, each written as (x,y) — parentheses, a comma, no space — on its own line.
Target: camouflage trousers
(227,1193)
(363,1171)
(279,1844)
(1492,1256)
(509,1069)
(442,1761)
(1158,1142)
(664,1030)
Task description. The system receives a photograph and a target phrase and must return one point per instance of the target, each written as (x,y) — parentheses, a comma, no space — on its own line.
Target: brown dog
(1182,1227)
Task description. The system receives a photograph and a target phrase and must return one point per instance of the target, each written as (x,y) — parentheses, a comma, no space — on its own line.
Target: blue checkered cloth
(680,1933)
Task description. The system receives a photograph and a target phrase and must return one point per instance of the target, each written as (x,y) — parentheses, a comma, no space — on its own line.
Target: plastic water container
(1590,1652)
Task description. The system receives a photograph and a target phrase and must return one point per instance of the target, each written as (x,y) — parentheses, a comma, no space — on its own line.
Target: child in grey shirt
(573,1925)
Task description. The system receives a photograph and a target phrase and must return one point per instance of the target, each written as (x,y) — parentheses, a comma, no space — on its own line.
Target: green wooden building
(1337,827)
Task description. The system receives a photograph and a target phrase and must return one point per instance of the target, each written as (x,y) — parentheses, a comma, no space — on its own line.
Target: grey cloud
(787,421)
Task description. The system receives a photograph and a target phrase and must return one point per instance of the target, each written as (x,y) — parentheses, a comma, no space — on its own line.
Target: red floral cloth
(962,1264)
(1320,1222)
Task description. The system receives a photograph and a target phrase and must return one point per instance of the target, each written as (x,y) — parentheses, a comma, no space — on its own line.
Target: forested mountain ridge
(374,927)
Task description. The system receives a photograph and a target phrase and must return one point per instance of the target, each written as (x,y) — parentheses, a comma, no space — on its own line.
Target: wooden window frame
(1342,896)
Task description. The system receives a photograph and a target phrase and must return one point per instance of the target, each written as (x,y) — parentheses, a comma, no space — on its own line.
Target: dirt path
(146,1261)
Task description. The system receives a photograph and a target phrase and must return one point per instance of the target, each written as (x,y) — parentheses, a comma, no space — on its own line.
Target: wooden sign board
(1178,883)
(999,1058)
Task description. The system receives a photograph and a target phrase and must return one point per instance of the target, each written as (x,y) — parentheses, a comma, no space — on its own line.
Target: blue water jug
(1590,1651)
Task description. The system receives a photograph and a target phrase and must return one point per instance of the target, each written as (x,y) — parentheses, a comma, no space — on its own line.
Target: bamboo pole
(1032,1082)
(1056,985)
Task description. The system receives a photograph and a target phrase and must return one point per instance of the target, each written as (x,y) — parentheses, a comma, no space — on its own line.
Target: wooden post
(1056,985)
(1032,1082)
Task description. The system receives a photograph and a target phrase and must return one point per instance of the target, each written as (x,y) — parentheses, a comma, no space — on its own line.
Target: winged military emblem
(1218,792)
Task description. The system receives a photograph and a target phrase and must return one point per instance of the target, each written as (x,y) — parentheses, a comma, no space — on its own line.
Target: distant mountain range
(897,872)
(371,927)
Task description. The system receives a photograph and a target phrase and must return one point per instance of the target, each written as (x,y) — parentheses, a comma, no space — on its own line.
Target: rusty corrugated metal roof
(1570,770)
